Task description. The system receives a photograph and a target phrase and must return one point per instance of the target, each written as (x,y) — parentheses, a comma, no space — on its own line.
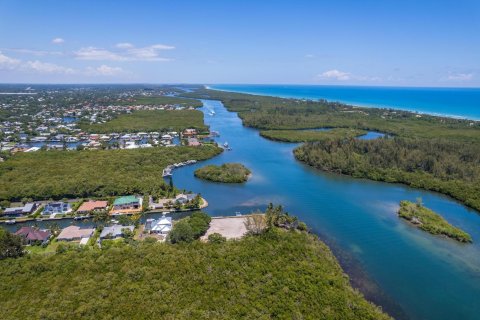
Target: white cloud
(45,67)
(58,41)
(92,53)
(335,75)
(104,70)
(459,77)
(7,63)
(125,52)
(309,56)
(40,67)
(33,52)
(124,45)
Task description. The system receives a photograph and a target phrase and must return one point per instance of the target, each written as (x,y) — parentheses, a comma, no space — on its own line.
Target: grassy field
(310,135)
(59,174)
(431,222)
(150,120)
(279,275)
(227,173)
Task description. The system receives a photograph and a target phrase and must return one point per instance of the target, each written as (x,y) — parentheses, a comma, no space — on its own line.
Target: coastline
(351,103)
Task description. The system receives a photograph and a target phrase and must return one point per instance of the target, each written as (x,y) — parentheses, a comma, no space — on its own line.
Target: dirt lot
(229,227)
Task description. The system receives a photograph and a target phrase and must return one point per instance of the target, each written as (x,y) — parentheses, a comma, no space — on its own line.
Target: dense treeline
(431,222)
(59,174)
(310,135)
(190,228)
(449,167)
(279,274)
(227,173)
(268,113)
(150,120)
(160,100)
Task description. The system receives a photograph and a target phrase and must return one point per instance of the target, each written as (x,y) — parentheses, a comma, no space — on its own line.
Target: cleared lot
(229,227)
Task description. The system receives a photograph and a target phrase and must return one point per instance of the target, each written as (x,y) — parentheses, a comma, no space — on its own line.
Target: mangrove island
(227,173)
(431,222)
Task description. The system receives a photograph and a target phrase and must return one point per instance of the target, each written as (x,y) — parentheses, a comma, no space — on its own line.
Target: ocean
(452,102)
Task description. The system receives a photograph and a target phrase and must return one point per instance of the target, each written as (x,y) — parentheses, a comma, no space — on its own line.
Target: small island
(226,173)
(429,221)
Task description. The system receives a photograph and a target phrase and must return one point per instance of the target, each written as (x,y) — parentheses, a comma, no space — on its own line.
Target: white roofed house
(115,231)
(161,226)
(184,198)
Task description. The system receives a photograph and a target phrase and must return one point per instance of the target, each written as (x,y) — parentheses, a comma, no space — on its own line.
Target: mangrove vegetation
(431,222)
(97,173)
(150,120)
(276,274)
(227,173)
(448,167)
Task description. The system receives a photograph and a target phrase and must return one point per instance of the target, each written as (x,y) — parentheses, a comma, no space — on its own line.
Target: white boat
(10,222)
(167,172)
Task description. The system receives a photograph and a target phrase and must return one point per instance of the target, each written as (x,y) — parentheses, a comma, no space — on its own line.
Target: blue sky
(388,42)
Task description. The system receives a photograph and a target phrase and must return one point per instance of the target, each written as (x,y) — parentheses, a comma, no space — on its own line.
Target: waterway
(412,274)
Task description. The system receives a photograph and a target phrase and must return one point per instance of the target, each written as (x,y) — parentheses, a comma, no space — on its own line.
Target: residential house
(184,198)
(161,226)
(189,132)
(33,235)
(160,204)
(75,233)
(126,205)
(114,232)
(92,205)
(57,208)
(193,142)
(27,209)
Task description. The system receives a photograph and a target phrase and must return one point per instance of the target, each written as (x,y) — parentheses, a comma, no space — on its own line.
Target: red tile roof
(92,205)
(33,234)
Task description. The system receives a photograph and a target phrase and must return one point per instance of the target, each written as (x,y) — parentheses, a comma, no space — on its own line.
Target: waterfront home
(127,205)
(161,226)
(75,233)
(189,132)
(160,203)
(193,142)
(33,235)
(27,209)
(114,232)
(92,205)
(184,198)
(57,208)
